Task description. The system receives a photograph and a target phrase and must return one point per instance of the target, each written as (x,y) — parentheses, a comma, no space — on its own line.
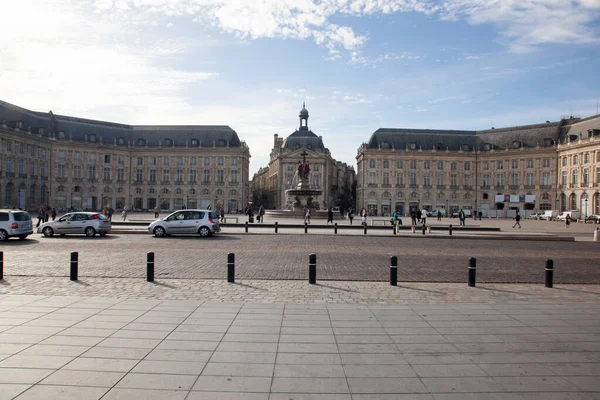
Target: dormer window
(222,142)
(465,147)
(438,146)
(91,137)
(412,146)
(487,147)
(195,142)
(120,141)
(41,131)
(516,144)
(309,146)
(60,135)
(141,142)
(548,142)
(168,142)
(297,145)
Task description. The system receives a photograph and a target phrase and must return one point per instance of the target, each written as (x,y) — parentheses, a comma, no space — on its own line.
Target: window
(152,175)
(500,180)
(546,163)
(467,166)
(529,163)
(371,163)
(564,161)
(440,179)
(22,148)
(220,161)
(467,180)
(413,165)
(120,174)
(140,161)
(563,180)
(77,171)
(76,156)
(586,158)
(486,180)
(166,176)
(43,169)
(61,155)
(9,165)
(206,176)
(453,166)
(43,152)
(32,151)
(413,178)
(32,168)
(8,147)
(139,175)
(21,167)
(62,170)
(574,177)
(427,180)
(195,143)
(500,165)
(413,146)
(141,142)
(386,164)
(107,159)
(234,176)
(598,179)
(440,165)
(546,179)
(193,161)
(514,179)
(106,174)
(168,142)
(179,175)
(486,166)
(453,180)
(400,179)
(61,135)
(220,176)
(530,179)
(586,177)
(234,161)
(575,159)
(207,161)
(372,178)
(91,138)
(515,164)
(516,144)
(93,158)
(386,178)
(121,160)
(399,164)
(180,161)
(165,161)
(427,165)
(193,175)
(91,172)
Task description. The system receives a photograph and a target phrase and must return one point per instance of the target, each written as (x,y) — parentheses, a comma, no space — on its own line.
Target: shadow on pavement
(575,290)
(502,290)
(338,288)
(163,284)
(420,290)
(251,287)
(18,242)
(72,237)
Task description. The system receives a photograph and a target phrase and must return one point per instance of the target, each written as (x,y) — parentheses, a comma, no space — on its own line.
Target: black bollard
(395,227)
(312,268)
(246,226)
(276,227)
(423,229)
(365,228)
(305,227)
(335,228)
(1,265)
(74,267)
(150,267)
(450,230)
(549,273)
(394,271)
(472,271)
(231,268)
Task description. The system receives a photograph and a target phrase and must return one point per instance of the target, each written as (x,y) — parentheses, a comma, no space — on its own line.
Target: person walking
(330,215)
(261,214)
(424,216)
(156,212)
(517,221)
(124,214)
(413,218)
(222,214)
(53,213)
(395,219)
(111,211)
(307,215)
(351,215)
(40,217)
(461,217)
(363,216)
(568,221)
(439,215)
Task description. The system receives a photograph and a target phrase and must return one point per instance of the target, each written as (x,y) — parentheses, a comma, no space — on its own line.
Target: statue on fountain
(303,167)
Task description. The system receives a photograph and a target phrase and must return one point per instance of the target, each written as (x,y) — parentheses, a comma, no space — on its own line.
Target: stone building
(495,171)
(334,178)
(68,162)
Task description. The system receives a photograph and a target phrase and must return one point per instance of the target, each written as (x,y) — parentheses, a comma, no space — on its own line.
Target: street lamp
(586,200)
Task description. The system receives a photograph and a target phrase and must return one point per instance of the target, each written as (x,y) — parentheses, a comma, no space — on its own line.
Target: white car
(88,223)
(201,222)
(15,223)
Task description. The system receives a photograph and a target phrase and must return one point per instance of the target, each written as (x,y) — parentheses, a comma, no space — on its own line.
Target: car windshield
(21,216)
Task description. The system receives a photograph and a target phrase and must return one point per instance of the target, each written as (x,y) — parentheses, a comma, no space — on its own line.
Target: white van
(574,214)
(549,215)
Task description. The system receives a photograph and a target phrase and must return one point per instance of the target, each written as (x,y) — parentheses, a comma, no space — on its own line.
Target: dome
(304,111)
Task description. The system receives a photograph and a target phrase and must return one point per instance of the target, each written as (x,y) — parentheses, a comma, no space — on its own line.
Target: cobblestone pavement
(357,258)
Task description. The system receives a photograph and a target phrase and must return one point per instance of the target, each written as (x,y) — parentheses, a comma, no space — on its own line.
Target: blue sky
(359,65)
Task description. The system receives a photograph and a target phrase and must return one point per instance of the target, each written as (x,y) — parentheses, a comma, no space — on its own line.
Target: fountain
(303,193)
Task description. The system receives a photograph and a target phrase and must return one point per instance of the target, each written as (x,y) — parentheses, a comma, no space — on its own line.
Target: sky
(359,65)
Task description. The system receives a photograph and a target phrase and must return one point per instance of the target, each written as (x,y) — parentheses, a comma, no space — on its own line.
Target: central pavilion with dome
(332,177)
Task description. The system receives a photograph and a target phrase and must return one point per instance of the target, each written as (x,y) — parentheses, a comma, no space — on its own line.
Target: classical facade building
(497,171)
(64,162)
(334,178)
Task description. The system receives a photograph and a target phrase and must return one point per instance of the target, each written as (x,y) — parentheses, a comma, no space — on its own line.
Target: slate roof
(79,128)
(302,139)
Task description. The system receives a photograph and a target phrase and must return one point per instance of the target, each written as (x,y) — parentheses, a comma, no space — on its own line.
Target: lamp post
(71,204)
(447,209)
(585,216)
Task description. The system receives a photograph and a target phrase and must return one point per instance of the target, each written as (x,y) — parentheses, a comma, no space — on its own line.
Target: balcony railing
(165,182)
(441,186)
(454,187)
(44,178)
(467,187)
(427,186)
(32,176)
(485,186)
(93,180)
(529,186)
(120,181)
(22,176)
(400,185)
(386,185)
(413,186)
(107,180)
(372,185)
(77,179)
(61,179)
(151,183)
(514,187)
(545,187)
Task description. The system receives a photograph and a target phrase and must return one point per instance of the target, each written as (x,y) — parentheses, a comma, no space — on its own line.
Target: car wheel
(90,232)
(159,231)
(204,231)
(47,231)
(3,235)
(22,237)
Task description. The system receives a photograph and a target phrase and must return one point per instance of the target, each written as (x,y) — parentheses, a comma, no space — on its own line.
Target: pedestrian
(341,212)
(439,215)
(307,215)
(395,219)
(53,213)
(250,214)
(40,217)
(156,212)
(111,211)
(351,215)
(424,216)
(568,220)
(363,217)
(124,214)
(413,217)
(480,215)
(461,217)
(222,213)
(330,215)
(517,221)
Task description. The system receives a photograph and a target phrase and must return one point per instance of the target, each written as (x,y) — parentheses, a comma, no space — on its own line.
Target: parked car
(537,215)
(203,222)
(15,223)
(549,215)
(574,214)
(594,218)
(88,223)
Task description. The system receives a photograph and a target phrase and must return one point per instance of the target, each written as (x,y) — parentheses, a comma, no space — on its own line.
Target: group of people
(419,216)
(250,213)
(44,215)
(108,212)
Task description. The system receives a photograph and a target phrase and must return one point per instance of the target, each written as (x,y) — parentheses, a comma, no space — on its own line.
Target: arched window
(454,196)
(165,191)
(545,196)
(205,192)
(485,196)
(372,194)
(120,190)
(192,191)
(178,191)
(107,190)
(61,189)
(414,195)
(151,191)
(467,196)
(138,191)
(233,192)
(219,192)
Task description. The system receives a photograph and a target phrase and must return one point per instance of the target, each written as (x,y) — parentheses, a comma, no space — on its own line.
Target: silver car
(15,223)
(88,223)
(203,222)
